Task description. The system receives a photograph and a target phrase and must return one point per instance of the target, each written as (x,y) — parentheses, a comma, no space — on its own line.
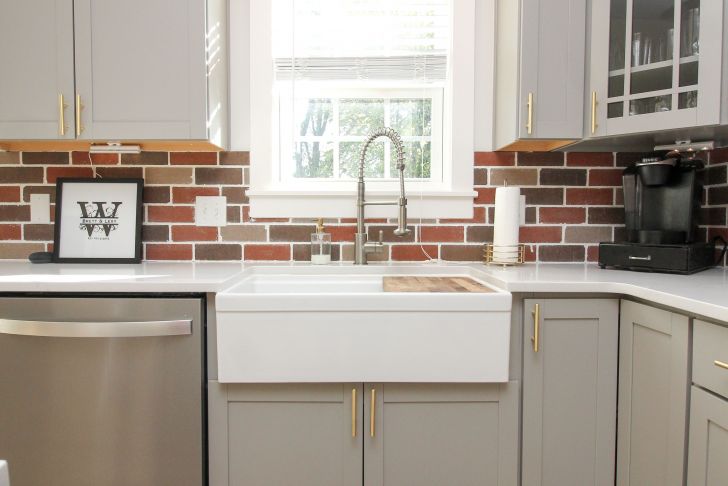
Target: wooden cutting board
(434,284)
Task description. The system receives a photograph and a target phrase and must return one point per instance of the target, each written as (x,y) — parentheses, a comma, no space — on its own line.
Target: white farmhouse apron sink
(337,324)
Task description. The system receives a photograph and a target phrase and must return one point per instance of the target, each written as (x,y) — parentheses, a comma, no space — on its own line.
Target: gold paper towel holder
(507,255)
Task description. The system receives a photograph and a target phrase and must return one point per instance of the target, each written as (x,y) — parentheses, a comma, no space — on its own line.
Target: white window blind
(378,40)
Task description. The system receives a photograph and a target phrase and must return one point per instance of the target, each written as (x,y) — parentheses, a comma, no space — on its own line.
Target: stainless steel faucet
(361,246)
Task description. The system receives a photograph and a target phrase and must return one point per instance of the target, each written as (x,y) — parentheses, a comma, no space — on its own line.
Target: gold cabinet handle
(372,406)
(536,312)
(529,120)
(594,113)
(353,412)
(79,107)
(62,105)
(720,364)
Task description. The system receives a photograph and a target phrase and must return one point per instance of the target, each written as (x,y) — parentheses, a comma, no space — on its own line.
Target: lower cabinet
(708,455)
(330,435)
(653,396)
(570,349)
(708,449)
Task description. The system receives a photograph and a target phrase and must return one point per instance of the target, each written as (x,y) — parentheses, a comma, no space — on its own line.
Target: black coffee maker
(661,203)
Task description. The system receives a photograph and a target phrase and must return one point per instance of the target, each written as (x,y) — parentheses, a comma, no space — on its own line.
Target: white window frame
(284,137)
(450,197)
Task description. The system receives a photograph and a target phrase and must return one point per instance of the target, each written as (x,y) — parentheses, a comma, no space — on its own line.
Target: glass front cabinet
(655,65)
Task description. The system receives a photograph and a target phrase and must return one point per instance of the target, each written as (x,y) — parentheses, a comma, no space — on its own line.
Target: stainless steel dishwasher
(102,391)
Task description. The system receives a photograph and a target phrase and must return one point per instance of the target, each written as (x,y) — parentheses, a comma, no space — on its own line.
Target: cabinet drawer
(710,350)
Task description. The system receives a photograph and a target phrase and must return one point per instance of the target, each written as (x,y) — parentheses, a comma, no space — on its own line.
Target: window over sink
(326,73)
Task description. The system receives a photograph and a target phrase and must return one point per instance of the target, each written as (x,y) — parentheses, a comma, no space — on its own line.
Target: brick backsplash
(573,202)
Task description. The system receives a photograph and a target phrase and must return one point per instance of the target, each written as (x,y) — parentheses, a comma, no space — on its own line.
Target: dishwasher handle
(110,329)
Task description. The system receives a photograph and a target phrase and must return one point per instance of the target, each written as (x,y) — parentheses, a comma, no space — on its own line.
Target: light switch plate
(40,208)
(210,211)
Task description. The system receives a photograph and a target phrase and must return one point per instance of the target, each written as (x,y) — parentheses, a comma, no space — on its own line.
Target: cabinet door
(140,69)
(653,396)
(653,64)
(295,435)
(441,434)
(552,67)
(36,54)
(569,392)
(707,464)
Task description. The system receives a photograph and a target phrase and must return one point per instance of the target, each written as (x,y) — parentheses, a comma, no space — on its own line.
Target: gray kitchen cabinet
(655,65)
(100,70)
(144,69)
(707,464)
(653,396)
(540,49)
(430,434)
(569,391)
(321,434)
(293,434)
(708,444)
(36,52)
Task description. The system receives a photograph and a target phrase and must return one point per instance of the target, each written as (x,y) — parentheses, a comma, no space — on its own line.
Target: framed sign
(98,221)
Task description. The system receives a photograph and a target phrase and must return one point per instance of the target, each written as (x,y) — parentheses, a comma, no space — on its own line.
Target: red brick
(495,158)
(605,177)
(413,253)
(462,253)
(53,173)
(187,195)
(168,252)
(10,232)
(485,196)
(82,158)
(174,214)
(592,253)
(590,159)
(9,193)
(194,233)
(267,252)
(341,233)
(14,212)
(478,217)
(540,234)
(562,215)
(586,197)
(218,252)
(561,253)
(442,233)
(193,158)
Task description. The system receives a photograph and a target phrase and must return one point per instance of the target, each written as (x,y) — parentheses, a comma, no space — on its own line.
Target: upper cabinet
(100,70)
(539,73)
(36,85)
(655,65)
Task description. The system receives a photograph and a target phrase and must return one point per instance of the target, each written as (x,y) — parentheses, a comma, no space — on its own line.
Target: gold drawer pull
(79,107)
(529,121)
(372,406)
(353,412)
(594,112)
(62,105)
(720,364)
(536,325)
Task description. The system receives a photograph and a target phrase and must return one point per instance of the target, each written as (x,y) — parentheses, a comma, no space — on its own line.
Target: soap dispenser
(320,245)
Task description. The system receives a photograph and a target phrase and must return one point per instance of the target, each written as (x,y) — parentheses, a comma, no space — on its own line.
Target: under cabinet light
(114,148)
(687,146)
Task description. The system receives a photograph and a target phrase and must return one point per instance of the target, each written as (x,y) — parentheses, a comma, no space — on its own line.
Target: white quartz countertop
(703,294)
(143,277)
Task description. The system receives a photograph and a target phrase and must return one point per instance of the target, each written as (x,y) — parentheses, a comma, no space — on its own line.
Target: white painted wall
(240,74)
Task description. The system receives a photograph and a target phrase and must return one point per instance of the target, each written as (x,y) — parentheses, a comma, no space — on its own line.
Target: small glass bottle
(320,245)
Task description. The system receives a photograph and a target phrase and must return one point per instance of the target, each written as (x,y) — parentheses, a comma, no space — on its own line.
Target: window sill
(342,204)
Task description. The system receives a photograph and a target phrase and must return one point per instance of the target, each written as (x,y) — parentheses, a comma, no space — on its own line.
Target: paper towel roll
(507,220)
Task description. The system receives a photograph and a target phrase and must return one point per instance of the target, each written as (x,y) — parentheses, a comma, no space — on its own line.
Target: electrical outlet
(210,211)
(40,208)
